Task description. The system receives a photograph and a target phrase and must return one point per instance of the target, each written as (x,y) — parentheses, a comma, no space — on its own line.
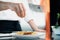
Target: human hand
(40,30)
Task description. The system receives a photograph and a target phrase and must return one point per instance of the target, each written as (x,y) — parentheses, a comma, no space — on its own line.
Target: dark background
(54,8)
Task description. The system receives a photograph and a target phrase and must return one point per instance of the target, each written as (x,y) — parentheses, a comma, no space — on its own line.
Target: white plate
(38,34)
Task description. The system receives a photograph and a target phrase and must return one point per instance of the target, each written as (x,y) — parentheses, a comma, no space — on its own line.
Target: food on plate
(33,33)
(20,33)
(26,33)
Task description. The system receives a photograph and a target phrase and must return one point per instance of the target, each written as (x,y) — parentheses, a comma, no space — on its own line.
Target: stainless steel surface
(36,8)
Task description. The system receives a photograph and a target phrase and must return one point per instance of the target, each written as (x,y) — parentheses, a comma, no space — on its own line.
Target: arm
(34,26)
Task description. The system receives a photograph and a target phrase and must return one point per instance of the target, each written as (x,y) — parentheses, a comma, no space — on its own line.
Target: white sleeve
(28,16)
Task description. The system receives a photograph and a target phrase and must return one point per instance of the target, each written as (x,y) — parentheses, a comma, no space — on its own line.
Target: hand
(40,30)
(34,26)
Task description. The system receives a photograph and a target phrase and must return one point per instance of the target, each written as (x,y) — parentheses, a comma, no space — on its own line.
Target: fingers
(22,10)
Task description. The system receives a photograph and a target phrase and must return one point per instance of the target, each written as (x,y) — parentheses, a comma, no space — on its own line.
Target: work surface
(13,36)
